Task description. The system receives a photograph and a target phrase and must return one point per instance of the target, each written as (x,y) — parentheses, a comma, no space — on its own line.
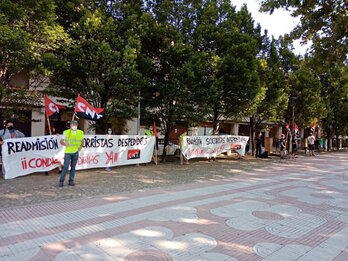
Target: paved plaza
(295,210)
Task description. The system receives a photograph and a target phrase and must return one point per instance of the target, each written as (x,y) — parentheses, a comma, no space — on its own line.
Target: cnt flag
(52,108)
(297,130)
(86,111)
(289,129)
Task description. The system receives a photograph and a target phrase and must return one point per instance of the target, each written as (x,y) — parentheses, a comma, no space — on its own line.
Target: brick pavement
(38,188)
(292,211)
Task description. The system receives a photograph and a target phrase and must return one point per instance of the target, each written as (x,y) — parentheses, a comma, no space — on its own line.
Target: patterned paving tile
(293,211)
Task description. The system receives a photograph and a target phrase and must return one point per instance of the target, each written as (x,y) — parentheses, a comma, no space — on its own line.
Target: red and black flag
(297,130)
(155,130)
(86,111)
(52,109)
(156,134)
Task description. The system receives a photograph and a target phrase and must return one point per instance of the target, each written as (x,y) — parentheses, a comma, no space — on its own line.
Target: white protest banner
(211,146)
(101,151)
(27,155)
(37,154)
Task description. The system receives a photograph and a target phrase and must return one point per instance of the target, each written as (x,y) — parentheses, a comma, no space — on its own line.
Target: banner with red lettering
(212,146)
(38,154)
(86,111)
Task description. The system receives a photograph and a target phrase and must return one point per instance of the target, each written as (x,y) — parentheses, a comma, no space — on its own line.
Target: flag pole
(48,118)
(156,151)
(73,117)
(49,125)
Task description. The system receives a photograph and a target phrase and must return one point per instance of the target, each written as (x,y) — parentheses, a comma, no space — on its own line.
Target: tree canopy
(187,61)
(323,22)
(29,33)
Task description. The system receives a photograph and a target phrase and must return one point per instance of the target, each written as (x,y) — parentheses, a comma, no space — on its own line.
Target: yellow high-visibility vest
(73,141)
(181,139)
(148,133)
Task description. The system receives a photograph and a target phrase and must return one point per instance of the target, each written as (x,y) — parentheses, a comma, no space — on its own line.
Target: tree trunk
(215,122)
(252,130)
(337,142)
(328,137)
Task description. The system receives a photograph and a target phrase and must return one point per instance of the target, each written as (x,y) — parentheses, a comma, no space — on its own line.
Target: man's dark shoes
(61,184)
(71,183)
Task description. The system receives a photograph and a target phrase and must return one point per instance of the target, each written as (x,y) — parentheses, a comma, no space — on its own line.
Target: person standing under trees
(282,146)
(325,142)
(9,132)
(321,144)
(109,133)
(150,133)
(73,142)
(311,141)
(294,145)
(181,143)
(258,145)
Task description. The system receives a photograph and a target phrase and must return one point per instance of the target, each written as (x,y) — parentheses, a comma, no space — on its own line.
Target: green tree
(305,86)
(28,35)
(172,70)
(274,99)
(233,43)
(325,23)
(100,63)
(335,95)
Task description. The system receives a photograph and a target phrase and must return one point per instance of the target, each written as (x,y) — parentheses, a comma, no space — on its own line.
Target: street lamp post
(292,123)
(138,121)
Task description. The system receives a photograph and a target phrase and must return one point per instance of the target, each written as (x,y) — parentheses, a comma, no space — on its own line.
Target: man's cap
(74,123)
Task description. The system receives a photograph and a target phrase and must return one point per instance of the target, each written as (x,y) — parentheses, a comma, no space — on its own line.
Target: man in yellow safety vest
(73,142)
(181,143)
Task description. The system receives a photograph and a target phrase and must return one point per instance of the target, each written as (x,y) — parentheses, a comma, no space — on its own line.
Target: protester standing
(321,144)
(73,141)
(294,146)
(9,132)
(181,143)
(149,133)
(109,133)
(326,143)
(311,141)
(258,145)
(282,146)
